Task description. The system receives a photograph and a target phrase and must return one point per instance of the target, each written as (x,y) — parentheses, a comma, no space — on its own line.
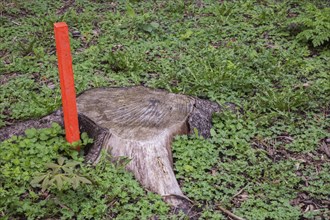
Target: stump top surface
(136,113)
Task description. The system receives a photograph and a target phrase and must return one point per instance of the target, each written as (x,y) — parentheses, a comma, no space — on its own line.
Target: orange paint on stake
(67,82)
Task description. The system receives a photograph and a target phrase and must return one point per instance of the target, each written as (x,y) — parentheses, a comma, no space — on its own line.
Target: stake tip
(60,24)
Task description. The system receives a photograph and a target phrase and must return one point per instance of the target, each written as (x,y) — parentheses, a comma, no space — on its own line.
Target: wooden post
(67,82)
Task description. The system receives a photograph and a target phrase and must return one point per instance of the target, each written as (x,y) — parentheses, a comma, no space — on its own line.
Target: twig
(190,209)
(16,23)
(239,192)
(112,202)
(307,208)
(286,137)
(180,196)
(192,216)
(62,205)
(279,137)
(229,213)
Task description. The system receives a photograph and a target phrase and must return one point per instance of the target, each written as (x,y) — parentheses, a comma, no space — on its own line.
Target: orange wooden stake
(67,82)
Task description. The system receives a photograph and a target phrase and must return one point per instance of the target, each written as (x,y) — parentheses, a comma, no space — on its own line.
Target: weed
(314,25)
(107,190)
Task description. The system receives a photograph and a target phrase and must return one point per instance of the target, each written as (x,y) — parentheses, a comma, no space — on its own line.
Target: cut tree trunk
(138,123)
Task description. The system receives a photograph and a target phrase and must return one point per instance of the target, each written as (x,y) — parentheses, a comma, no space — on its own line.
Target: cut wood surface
(138,123)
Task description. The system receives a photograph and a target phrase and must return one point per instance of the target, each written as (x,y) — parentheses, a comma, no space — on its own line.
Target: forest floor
(270,160)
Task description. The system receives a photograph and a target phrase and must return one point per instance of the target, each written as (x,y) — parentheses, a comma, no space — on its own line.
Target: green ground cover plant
(270,160)
(33,186)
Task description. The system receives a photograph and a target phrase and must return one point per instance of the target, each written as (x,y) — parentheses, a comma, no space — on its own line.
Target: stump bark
(138,123)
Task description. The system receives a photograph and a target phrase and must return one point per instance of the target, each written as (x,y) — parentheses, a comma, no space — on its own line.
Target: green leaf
(59,182)
(71,164)
(196,132)
(66,179)
(67,170)
(150,27)
(186,35)
(43,137)
(130,11)
(52,165)
(60,160)
(188,168)
(84,180)
(35,181)
(155,25)
(75,182)
(85,139)
(84,135)
(147,27)
(30,133)
(45,184)
(213,133)
(51,181)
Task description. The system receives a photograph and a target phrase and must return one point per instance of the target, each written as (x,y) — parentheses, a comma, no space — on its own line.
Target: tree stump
(138,123)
